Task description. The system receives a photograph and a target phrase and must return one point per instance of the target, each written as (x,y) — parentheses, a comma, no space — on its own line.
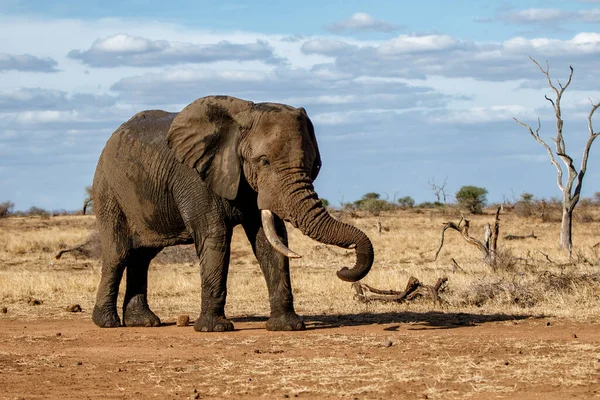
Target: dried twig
(455,266)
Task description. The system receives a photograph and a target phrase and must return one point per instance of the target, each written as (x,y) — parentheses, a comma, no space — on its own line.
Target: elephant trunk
(310,216)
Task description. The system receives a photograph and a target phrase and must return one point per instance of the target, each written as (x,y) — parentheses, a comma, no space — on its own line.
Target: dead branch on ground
(520,237)
(414,288)
(89,248)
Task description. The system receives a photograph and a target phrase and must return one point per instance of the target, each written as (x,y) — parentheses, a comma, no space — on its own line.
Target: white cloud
(481,115)
(535,15)
(412,44)
(125,50)
(326,46)
(26,63)
(48,99)
(546,17)
(362,22)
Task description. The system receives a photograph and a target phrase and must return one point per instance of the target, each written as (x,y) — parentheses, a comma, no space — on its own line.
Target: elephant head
(273,147)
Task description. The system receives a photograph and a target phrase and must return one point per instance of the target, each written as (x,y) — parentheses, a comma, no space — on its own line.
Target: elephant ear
(205,136)
(311,132)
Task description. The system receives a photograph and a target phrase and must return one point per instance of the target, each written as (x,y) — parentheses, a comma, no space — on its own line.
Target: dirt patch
(436,356)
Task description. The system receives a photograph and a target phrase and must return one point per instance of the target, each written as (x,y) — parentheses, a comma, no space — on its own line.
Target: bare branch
(586,149)
(536,136)
(487,247)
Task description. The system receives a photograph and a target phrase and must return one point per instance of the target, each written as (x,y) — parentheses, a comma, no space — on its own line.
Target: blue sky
(401,92)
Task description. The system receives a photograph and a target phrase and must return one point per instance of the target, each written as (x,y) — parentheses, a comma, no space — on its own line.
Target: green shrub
(371,203)
(406,202)
(472,198)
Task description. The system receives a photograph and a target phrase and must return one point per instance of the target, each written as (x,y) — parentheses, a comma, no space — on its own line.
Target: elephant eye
(264,161)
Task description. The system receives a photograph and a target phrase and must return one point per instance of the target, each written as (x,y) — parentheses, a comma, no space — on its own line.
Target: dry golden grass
(410,350)
(539,279)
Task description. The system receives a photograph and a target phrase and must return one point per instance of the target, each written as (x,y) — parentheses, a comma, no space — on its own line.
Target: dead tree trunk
(490,240)
(571,189)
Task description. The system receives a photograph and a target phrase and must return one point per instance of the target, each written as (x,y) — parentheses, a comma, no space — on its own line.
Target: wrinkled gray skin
(178,178)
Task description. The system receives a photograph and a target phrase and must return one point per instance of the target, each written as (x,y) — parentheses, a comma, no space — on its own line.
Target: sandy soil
(396,355)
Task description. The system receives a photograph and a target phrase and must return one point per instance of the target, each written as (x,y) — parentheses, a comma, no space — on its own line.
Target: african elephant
(179,178)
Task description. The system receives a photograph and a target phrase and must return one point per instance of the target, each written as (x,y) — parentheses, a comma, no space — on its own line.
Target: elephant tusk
(269,228)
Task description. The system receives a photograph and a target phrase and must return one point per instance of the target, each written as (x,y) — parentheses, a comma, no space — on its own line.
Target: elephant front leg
(214,265)
(136,311)
(276,269)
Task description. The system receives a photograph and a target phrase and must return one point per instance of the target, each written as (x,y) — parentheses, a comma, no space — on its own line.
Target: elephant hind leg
(115,241)
(136,311)
(115,250)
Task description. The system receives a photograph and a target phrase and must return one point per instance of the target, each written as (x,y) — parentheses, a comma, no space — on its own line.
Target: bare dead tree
(88,202)
(439,190)
(487,246)
(571,189)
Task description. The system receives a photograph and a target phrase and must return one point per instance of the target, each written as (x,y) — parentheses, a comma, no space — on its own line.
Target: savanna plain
(526,327)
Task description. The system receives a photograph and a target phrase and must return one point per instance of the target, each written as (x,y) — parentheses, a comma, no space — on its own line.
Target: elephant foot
(286,322)
(206,323)
(106,317)
(137,313)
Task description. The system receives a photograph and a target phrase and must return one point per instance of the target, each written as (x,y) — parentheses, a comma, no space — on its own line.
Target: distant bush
(472,198)
(325,202)
(429,204)
(6,209)
(37,212)
(371,196)
(406,202)
(525,206)
(371,203)
(583,212)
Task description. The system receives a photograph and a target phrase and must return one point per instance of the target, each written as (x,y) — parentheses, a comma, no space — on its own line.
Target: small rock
(506,363)
(388,343)
(195,395)
(79,363)
(548,323)
(4,310)
(183,320)
(74,308)
(574,336)
(59,365)
(286,396)
(34,302)
(58,334)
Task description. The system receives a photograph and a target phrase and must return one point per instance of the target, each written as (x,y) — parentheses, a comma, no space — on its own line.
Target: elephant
(166,179)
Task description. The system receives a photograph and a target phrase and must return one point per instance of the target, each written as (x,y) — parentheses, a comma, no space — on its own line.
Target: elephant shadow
(421,320)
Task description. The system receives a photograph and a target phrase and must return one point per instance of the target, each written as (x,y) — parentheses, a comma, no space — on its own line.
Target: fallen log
(414,288)
(520,237)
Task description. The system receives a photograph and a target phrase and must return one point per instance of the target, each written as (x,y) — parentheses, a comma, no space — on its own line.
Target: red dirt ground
(436,356)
